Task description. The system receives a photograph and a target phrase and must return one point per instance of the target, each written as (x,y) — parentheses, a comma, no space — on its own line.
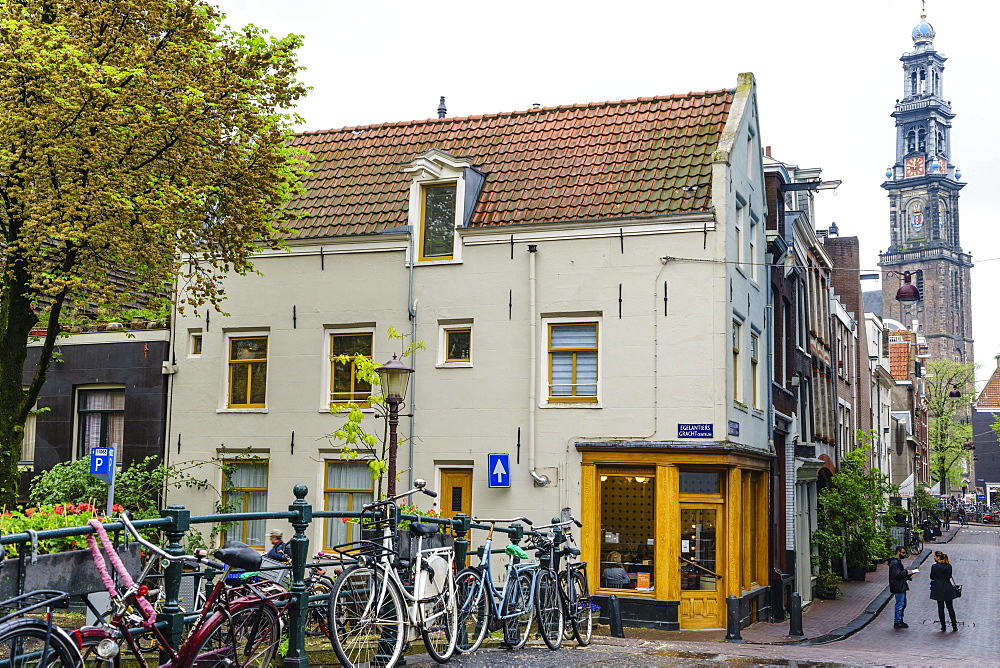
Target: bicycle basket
(367,551)
(276,571)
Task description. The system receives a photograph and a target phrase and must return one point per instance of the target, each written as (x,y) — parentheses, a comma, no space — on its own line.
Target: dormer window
(437,222)
(443,194)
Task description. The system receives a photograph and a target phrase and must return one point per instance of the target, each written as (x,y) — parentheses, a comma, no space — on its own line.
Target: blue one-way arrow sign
(498,468)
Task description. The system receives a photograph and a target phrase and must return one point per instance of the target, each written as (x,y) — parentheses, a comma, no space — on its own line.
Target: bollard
(795,616)
(733,619)
(615,617)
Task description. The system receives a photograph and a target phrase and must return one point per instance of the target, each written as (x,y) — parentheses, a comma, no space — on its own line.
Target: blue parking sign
(498,469)
(102,463)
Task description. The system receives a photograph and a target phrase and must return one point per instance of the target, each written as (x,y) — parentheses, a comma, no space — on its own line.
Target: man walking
(947,518)
(898,578)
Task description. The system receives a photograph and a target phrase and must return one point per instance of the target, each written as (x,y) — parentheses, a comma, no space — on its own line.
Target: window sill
(241,410)
(758,413)
(740,406)
(430,263)
(570,404)
(453,365)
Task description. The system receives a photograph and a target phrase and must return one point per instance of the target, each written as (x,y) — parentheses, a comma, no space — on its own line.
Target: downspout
(540,480)
(411,308)
(831,337)
(772,512)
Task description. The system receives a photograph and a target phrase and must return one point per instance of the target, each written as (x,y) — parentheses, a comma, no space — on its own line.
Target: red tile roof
(579,162)
(990,396)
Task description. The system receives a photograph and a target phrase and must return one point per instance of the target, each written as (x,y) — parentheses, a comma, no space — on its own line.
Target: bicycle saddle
(571,550)
(424,528)
(239,555)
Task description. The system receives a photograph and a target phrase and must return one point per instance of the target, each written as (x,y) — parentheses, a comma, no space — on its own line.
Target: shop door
(456,492)
(701,535)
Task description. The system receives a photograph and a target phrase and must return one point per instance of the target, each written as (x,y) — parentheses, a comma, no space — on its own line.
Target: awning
(906,489)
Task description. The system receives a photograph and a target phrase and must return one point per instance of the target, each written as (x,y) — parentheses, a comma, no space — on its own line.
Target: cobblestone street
(974,552)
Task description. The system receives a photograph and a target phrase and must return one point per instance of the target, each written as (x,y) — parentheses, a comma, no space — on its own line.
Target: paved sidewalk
(825,620)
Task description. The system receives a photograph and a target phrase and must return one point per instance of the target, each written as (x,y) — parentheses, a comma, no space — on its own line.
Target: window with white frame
(345,386)
(196,343)
(755,370)
(100,419)
(739,226)
(27,458)
(573,361)
(455,344)
(737,334)
(437,221)
(752,238)
(347,487)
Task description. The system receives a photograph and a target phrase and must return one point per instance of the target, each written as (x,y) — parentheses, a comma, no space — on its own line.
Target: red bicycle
(239,625)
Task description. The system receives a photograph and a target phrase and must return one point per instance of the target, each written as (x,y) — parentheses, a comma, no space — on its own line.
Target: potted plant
(827,585)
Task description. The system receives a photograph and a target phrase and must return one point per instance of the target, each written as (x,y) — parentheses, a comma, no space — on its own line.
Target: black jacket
(941,587)
(897,576)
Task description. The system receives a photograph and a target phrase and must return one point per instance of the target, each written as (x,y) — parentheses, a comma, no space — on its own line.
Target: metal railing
(176,520)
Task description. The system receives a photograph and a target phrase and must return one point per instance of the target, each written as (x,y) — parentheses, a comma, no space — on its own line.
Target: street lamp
(907,292)
(395,376)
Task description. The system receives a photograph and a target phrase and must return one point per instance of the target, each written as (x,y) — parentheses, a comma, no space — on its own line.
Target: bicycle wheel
(582,613)
(366,617)
(517,611)
(247,637)
(439,617)
(317,623)
(916,546)
(548,608)
(27,643)
(473,609)
(568,607)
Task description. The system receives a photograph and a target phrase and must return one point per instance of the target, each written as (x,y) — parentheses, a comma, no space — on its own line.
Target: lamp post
(395,376)
(907,292)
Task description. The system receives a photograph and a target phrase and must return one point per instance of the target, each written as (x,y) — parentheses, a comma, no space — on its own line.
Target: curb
(862,620)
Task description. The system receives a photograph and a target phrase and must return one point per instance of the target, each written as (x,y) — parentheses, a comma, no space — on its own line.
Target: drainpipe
(411,306)
(540,480)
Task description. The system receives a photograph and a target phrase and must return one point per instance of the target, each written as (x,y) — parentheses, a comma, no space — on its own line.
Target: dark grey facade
(133,367)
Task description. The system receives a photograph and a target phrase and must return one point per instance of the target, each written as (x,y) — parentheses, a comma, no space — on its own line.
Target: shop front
(673,531)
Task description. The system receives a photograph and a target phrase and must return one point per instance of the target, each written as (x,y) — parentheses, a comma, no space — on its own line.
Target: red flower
(117,508)
(85,507)
(344,520)
(58,510)
(29,512)
(71,509)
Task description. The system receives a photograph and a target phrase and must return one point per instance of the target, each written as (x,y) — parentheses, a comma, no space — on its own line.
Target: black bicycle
(26,642)
(574,589)
(913,542)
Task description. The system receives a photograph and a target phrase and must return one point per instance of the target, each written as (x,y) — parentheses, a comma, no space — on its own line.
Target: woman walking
(942,589)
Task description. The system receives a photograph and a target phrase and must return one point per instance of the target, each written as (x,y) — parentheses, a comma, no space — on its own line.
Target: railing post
(515,536)
(460,525)
(298,608)
(180,522)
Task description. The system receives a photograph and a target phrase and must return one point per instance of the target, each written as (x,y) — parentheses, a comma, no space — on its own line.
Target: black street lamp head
(955,392)
(395,376)
(907,292)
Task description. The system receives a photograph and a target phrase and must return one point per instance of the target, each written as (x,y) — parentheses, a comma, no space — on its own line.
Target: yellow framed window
(754,368)
(737,334)
(348,487)
(245,491)
(197,341)
(437,222)
(247,372)
(345,386)
(458,345)
(573,362)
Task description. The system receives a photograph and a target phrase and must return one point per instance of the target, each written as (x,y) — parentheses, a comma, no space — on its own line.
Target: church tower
(923,187)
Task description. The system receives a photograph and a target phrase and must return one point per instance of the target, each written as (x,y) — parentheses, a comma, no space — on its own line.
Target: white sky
(828,76)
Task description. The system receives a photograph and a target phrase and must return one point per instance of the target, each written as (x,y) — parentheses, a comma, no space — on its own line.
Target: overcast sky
(828,75)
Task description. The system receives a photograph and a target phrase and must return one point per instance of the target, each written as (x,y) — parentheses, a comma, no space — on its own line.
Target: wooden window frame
(327,490)
(574,398)
(755,368)
(425,189)
(236,364)
(353,399)
(245,491)
(448,331)
(737,343)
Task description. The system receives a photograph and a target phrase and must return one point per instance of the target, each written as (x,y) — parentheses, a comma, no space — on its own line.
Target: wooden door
(456,492)
(702,536)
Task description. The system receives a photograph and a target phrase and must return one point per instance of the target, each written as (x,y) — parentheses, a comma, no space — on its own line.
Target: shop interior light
(639,478)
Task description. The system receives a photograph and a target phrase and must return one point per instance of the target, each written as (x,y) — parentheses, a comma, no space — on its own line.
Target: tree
(948,428)
(142,142)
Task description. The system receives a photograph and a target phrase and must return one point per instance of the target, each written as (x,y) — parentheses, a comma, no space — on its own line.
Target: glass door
(701,534)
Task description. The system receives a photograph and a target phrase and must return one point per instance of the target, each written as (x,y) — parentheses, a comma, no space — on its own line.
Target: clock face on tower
(914,166)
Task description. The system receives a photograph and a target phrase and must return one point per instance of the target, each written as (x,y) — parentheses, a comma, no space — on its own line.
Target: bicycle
(545,587)
(318,584)
(26,642)
(239,624)
(574,589)
(482,608)
(913,542)
(372,612)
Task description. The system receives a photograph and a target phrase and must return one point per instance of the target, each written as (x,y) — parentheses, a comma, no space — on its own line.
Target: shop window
(348,487)
(345,387)
(101,420)
(247,372)
(627,519)
(245,491)
(696,482)
(698,549)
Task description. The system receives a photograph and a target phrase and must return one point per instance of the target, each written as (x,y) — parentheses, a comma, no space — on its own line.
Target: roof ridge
(508,114)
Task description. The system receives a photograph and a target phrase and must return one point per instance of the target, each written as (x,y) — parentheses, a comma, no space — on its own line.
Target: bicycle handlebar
(159,551)
(392,499)
(495,521)
(571,520)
